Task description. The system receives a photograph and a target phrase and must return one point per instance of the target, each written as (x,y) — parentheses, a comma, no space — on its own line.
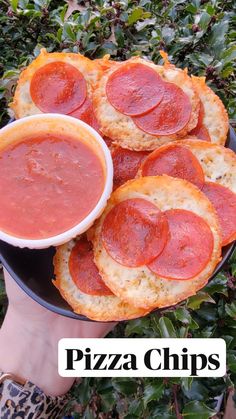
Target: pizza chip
(140,285)
(139,107)
(106,307)
(57,82)
(214,116)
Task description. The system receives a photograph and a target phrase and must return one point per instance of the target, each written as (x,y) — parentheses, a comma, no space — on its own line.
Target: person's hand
(29,337)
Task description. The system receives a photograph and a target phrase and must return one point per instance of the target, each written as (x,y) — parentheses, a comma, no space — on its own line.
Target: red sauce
(48,184)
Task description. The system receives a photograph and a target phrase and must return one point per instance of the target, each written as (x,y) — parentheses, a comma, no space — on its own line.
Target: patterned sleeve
(28,401)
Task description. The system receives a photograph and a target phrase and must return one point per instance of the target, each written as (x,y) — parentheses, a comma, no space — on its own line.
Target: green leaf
(208,312)
(195,301)
(59,34)
(197,410)
(135,409)
(183,315)
(204,21)
(186,383)
(84,391)
(107,401)
(217,285)
(168,34)
(119,34)
(137,326)
(197,391)
(166,328)
(10,73)
(206,332)
(210,9)
(63,13)
(228,340)
(233,269)
(200,60)
(183,331)
(37,49)
(88,414)
(14,5)
(228,55)
(191,9)
(126,386)
(104,386)
(153,391)
(163,411)
(68,30)
(33,14)
(231,309)
(146,22)
(231,361)
(216,39)
(137,13)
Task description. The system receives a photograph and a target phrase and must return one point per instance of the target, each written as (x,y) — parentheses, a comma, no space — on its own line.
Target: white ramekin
(59,123)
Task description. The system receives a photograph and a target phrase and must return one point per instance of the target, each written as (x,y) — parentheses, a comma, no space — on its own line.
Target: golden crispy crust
(121,128)
(99,308)
(23,105)
(218,162)
(139,285)
(216,118)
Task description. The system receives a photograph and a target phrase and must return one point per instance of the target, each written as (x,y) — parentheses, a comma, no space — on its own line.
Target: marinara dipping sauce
(50,181)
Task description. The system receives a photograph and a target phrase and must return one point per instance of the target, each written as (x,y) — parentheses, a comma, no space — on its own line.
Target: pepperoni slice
(170,116)
(224,201)
(86,114)
(126,164)
(84,271)
(58,87)
(134,89)
(176,161)
(134,232)
(189,248)
(200,131)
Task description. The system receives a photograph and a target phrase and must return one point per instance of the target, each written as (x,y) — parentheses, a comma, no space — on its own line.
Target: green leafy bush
(196,34)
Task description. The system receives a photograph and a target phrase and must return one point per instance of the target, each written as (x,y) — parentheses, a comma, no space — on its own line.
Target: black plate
(33,269)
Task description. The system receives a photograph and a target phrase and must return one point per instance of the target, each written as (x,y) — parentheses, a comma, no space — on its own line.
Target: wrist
(29,339)
(30,352)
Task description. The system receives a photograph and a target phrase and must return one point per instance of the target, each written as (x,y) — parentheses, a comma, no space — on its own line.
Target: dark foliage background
(196,34)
